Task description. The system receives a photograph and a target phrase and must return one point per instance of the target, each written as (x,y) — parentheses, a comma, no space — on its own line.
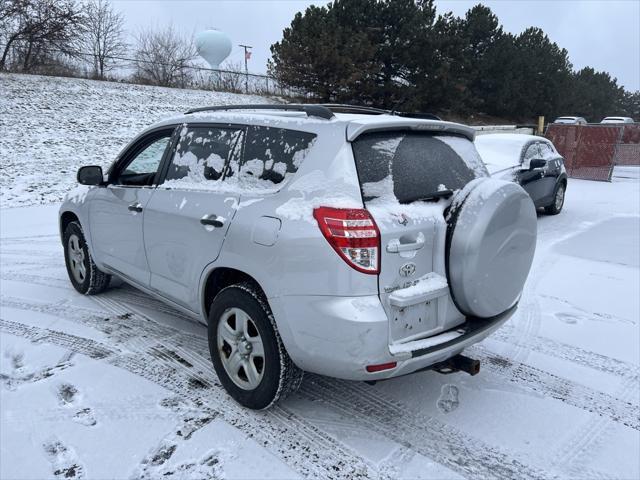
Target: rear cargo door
(406,178)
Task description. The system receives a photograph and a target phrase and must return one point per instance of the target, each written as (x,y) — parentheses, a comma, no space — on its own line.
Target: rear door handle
(135,207)
(212,221)
(394,246)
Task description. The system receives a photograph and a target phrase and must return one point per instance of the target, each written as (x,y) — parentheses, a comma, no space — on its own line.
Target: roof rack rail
(425,116)
(321,110)
(311,110)
(345,108)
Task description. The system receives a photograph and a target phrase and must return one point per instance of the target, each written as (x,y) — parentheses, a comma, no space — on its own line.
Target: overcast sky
(604,34)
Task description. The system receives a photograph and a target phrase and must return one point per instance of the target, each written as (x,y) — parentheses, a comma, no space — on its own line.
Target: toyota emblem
(407,269)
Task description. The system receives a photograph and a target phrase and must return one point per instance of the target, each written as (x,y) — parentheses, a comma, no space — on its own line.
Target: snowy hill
(51,126)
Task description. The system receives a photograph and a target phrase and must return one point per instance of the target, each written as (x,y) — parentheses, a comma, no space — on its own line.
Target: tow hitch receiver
(459,363)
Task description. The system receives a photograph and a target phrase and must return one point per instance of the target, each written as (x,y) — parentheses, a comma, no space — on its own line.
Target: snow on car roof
(299,120)
(500,151)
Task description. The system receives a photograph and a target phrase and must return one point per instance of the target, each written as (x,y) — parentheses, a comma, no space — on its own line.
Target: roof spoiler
(357,128)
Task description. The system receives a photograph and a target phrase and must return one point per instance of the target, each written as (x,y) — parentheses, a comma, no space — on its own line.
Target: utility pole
(247,56)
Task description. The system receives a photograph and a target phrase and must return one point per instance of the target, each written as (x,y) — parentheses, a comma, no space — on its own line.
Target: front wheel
(85,276)
(246,350)
(558,200)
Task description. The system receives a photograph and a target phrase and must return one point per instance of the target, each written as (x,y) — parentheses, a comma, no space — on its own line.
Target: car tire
(85,276)
(558,200)
(246,349)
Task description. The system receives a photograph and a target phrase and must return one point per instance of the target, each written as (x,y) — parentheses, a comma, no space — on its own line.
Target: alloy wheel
(241,349)
(559,197)
(76,259)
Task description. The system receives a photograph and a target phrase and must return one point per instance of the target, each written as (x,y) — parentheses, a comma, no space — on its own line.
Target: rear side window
(547,151)
(404,165)
(270,157)
(201,155)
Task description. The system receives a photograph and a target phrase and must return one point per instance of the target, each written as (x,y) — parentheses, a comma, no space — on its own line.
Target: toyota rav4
(350,242)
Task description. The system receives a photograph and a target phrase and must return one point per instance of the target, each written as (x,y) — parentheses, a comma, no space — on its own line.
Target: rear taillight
(353,234)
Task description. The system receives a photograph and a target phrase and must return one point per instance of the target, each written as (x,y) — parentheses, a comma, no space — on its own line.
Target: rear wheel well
(221,278)
(66,219)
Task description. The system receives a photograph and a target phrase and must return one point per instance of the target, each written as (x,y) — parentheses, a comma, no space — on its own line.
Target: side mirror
(91,175)
(537,163)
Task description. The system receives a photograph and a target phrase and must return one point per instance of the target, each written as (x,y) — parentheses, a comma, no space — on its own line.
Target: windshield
(409,166)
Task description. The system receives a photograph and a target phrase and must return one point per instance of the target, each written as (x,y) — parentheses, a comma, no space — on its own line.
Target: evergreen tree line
(400,54)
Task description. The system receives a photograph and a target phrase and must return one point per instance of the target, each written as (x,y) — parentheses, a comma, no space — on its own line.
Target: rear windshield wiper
(445,193)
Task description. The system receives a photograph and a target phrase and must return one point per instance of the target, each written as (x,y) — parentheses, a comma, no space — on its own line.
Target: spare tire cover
(491,240)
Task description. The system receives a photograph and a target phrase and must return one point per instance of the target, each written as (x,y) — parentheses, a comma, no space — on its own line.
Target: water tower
(214,46)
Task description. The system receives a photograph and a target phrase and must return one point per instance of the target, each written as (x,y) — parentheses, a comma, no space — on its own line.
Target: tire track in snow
(32,253)
(305,448)
(150,304)
(571,353)
(509,333)
(36,238)
(34,279)
(526,327)
(323,444)
(532,378)
(565,390)
(442,443)
(199,356)
(85,346)
(573,454)
(198,349)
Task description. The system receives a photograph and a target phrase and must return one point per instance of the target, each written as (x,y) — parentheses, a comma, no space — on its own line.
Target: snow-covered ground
(51,126)
(121,386)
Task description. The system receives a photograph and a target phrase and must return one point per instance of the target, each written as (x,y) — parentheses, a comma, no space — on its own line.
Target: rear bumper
(340,336)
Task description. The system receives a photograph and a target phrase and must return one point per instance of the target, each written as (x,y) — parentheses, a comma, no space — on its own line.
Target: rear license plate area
(413,321)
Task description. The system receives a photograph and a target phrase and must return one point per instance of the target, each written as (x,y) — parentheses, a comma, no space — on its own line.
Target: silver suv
(345,241)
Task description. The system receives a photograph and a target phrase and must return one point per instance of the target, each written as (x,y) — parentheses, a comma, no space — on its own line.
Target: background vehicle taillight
(353,234)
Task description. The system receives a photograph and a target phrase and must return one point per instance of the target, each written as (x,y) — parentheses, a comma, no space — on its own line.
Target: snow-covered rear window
(244,159)
(407,165)
(202,153)
(270,156)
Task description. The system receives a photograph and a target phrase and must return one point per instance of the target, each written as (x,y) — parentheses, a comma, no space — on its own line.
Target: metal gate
(591,151)
(628,150)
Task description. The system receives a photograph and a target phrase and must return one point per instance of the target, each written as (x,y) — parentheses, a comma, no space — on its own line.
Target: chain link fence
(591,151)
(72,63)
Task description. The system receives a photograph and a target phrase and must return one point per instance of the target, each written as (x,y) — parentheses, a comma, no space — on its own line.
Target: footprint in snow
(209,467)
(68,396)
(17,360)
(64,461)
(448,400)
(85,417)
(567,318)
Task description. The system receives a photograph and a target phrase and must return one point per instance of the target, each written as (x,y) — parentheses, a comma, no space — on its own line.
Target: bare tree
(31,29)
(102,36)
(163,57)
(231,79)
